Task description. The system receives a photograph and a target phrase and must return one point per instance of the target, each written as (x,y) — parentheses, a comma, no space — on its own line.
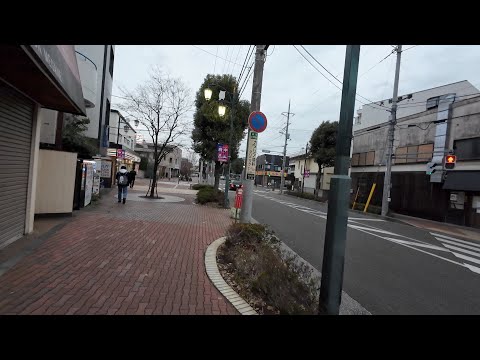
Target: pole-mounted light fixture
(221,110)
(207,93)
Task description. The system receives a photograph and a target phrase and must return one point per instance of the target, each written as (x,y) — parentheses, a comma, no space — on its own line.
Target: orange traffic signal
(450,161)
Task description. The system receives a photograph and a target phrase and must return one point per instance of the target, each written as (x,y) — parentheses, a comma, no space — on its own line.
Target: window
(176,161)
(432,102)
(363,159)
(170,160)
(110,67)
(467,149)
(413,154)
(107,114)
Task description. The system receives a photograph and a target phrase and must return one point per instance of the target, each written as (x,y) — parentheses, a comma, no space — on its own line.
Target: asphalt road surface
(390,267)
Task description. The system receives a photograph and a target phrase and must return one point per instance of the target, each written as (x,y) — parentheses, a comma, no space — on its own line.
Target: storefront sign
(88,182)
(251,155)
(120,154)
(106,170)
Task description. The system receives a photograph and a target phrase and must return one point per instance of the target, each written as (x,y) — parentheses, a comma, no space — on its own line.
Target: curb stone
(348,305)
(216,278)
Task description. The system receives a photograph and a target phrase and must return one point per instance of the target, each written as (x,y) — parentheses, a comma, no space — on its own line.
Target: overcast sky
(287,75)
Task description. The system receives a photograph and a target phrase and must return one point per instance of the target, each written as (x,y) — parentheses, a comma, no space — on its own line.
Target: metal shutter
(16,116)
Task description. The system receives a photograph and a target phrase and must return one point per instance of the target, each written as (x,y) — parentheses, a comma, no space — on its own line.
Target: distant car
(235,184)
(222,177)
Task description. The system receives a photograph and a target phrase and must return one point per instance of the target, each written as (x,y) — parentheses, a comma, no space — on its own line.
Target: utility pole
(287,135)
(246,213)
(338,201)
(391,131)
(304,166)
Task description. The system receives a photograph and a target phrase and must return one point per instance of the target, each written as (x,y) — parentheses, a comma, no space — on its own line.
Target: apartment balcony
(88,76)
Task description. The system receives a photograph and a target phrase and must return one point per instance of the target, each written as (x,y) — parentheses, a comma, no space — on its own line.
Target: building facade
(34,79)
(170,163)
(302,162)
(269,170)
(447,125)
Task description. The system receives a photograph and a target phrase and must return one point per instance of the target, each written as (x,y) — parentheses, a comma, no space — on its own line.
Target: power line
(392,52)
(341,83)
(216,57)
(219,57)
(247,60)
(377,106)
(411,47)
(226,59)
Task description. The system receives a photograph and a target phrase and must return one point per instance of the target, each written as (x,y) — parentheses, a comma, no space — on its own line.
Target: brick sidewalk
(137,258)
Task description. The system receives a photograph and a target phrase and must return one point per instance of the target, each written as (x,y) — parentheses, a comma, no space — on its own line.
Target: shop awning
(462,181)
(48,74)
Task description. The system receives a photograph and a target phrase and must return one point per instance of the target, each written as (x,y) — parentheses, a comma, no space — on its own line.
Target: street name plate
(251,155)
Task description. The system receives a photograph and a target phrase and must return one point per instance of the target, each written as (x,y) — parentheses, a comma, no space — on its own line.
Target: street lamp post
(221,111)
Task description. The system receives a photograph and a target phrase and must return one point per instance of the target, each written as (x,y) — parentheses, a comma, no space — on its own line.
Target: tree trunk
(317,181)
(218,170)
(154,179)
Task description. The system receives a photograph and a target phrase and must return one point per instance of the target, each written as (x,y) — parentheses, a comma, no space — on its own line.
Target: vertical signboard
(222,152)
(88,182)
(251,155)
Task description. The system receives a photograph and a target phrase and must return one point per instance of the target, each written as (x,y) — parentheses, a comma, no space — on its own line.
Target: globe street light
(221,112)
(208,94)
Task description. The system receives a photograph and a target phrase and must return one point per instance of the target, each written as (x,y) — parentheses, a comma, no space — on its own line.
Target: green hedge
(209,194)
(201,186)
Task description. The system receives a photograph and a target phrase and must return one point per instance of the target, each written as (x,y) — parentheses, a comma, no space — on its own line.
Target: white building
(409,104)
(95,65)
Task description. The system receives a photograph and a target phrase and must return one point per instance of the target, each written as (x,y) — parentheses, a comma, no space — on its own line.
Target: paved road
(390,267)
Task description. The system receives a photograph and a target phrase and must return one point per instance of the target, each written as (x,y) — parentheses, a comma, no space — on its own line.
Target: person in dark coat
(122,182)
(132,174)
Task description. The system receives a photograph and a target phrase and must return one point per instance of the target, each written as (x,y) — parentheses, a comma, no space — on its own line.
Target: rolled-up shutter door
(16,117)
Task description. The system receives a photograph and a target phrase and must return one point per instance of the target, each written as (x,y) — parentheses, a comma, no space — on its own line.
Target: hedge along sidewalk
(348,306)
(214,274)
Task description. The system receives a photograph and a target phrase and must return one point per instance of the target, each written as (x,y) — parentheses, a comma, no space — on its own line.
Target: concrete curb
(216,278)
(348,305)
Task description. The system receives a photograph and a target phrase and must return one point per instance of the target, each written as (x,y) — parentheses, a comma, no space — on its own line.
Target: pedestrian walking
(122,182)
(132,174)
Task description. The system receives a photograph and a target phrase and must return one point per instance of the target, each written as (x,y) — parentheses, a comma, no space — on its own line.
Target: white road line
(457,244)
(366,219)
(468,258)
(456,240)
(473,268)
(462,250)
(416,249)
(433,247)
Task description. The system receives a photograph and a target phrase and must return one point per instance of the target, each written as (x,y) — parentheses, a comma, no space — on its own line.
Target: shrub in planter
(260,269)
(209,194)
(201,186)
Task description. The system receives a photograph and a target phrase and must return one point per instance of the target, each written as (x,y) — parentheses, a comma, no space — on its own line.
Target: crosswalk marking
(457,247)
(456,244)
(477,253)
(455,240)
(464,257)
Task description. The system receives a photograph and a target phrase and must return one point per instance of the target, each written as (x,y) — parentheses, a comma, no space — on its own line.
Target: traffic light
(450,161)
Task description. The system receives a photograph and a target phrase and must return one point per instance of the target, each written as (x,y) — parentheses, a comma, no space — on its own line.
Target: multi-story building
(170,163)
(301,162)
(95,65)
(446,123)
(269,169)
(121,143)
(33,78)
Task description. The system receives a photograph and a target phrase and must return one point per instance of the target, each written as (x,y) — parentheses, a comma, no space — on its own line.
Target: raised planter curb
(216,278)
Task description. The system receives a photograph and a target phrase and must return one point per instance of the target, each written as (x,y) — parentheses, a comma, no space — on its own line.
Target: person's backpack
(123,179)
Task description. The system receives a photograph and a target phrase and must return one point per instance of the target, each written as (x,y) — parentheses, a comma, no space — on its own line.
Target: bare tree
(159,104)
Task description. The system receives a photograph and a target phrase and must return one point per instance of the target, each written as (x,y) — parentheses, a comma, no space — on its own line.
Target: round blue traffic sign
(257,121)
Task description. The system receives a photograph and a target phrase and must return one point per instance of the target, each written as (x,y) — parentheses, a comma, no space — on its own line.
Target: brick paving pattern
(137,258)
